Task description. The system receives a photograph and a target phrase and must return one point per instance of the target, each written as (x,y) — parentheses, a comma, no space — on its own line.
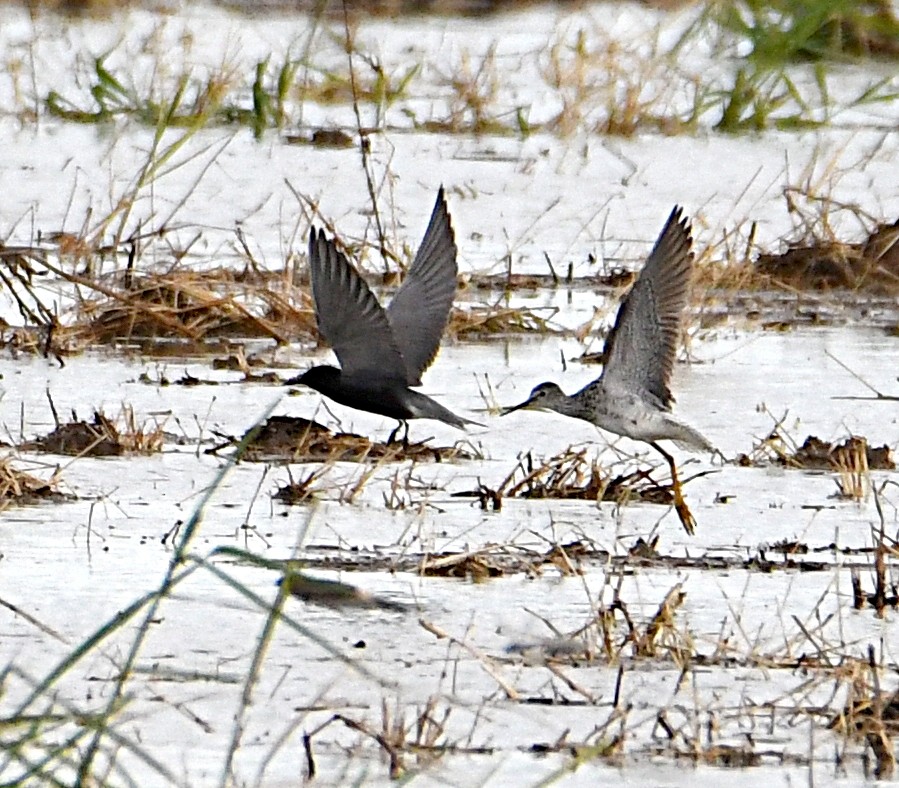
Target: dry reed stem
(851,461)
(662,621)
(483,660)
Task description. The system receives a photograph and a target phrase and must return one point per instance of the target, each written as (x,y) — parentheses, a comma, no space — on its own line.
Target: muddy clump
(101,437)
(815,454)
(295,439)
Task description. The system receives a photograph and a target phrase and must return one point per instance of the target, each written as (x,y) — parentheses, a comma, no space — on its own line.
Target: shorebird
(632,396)
(383,352)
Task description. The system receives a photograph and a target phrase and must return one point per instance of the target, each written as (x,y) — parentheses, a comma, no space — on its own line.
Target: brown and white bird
(632,396)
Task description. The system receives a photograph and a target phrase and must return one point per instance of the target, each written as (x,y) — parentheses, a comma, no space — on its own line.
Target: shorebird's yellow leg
(680,505)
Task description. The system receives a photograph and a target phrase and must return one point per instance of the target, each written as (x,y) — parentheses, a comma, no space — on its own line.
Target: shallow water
(74,565)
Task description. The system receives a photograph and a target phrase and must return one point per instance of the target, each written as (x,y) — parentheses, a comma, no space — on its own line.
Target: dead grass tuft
(871,265)
(614,635)
(424,739)
(48,340)
(660,632)
(193,305)
(818,262)
(188,308)
(870,714)
(610,87)
(571,475)
(171,303)
(497,320)
(619,634)
(18,487)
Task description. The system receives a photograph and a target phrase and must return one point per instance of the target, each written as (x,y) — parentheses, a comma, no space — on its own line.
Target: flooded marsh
(211,577)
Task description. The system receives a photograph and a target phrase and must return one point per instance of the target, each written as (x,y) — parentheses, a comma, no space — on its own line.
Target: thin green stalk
(246,696)
(170,579)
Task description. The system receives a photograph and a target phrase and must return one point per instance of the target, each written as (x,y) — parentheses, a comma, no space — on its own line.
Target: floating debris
(643,549)
(476,566)
(511,559)
(189,380)
(499,560)
(327,138)
(487,498)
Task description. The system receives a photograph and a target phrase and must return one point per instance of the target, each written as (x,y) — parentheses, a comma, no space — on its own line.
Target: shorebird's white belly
(642,420)
(632,418)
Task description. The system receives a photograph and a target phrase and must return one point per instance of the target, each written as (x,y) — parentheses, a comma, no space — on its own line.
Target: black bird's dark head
(321,378)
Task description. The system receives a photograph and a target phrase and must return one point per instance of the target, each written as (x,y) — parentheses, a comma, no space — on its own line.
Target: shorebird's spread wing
(349,316)
(420,309)
(641,347)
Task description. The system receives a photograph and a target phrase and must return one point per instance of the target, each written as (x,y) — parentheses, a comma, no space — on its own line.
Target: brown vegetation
(871,265)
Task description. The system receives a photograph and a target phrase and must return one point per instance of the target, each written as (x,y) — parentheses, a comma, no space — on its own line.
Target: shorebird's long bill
(520,406)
